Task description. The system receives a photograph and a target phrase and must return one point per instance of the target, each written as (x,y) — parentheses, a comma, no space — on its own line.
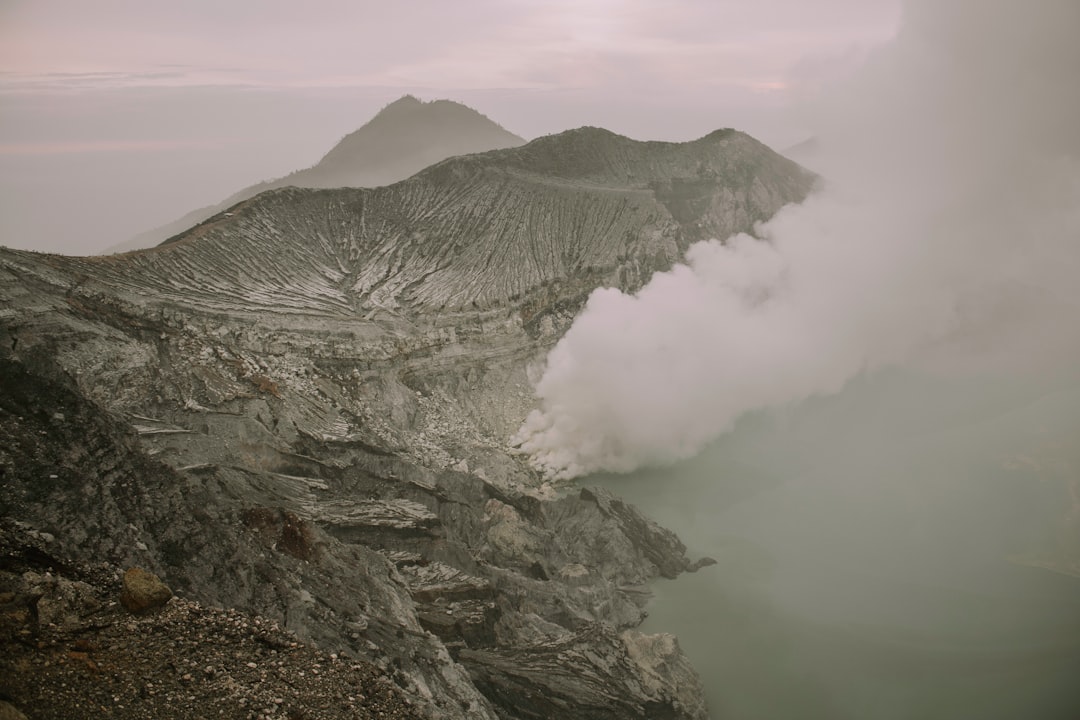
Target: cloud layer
(481,44)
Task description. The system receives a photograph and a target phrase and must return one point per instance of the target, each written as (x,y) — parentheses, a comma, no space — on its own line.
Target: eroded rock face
(594,673)
(302,411)
(402,600)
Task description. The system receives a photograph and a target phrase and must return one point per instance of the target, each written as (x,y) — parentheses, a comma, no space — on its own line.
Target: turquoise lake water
(861,545)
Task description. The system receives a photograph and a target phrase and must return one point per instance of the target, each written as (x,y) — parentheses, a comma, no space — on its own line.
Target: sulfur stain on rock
(142,591)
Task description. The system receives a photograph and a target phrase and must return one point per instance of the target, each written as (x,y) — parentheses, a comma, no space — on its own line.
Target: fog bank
(943,236)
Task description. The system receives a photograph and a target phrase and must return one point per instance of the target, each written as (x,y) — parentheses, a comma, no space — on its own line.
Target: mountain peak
(411,109)
(405,102)
(421,133)
(403,138)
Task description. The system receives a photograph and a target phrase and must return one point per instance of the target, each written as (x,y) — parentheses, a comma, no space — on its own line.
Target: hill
(405,137)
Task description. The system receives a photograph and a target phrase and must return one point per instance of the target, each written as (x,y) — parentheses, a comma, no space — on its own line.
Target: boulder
(142,591)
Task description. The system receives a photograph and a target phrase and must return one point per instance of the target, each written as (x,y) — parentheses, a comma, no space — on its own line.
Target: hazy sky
(117,116)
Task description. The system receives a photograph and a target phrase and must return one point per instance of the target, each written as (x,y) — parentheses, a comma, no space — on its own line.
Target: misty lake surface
(861,546)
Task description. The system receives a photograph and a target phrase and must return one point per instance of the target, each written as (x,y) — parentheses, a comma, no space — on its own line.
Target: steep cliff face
(405,137)
(301,408)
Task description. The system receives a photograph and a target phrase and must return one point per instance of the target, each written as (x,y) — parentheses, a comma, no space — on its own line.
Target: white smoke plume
(948,226)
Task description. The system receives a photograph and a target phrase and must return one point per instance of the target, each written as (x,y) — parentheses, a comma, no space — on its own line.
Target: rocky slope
(300,409)
(73,651)
(405,137)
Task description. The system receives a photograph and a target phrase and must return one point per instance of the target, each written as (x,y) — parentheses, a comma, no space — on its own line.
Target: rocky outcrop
(301,411)
(400,596)
(86,485)
(594,673)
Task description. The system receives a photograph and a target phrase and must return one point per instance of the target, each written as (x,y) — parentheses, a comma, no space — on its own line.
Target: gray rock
(594,674)
(60,602)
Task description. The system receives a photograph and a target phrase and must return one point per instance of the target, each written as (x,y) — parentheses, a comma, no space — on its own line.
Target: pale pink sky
(119,115)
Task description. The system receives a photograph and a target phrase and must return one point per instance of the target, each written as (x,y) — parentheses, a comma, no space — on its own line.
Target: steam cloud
(946,231)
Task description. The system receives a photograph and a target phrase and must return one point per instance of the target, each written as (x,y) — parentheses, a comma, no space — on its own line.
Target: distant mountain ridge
(582,208)
(402,139)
